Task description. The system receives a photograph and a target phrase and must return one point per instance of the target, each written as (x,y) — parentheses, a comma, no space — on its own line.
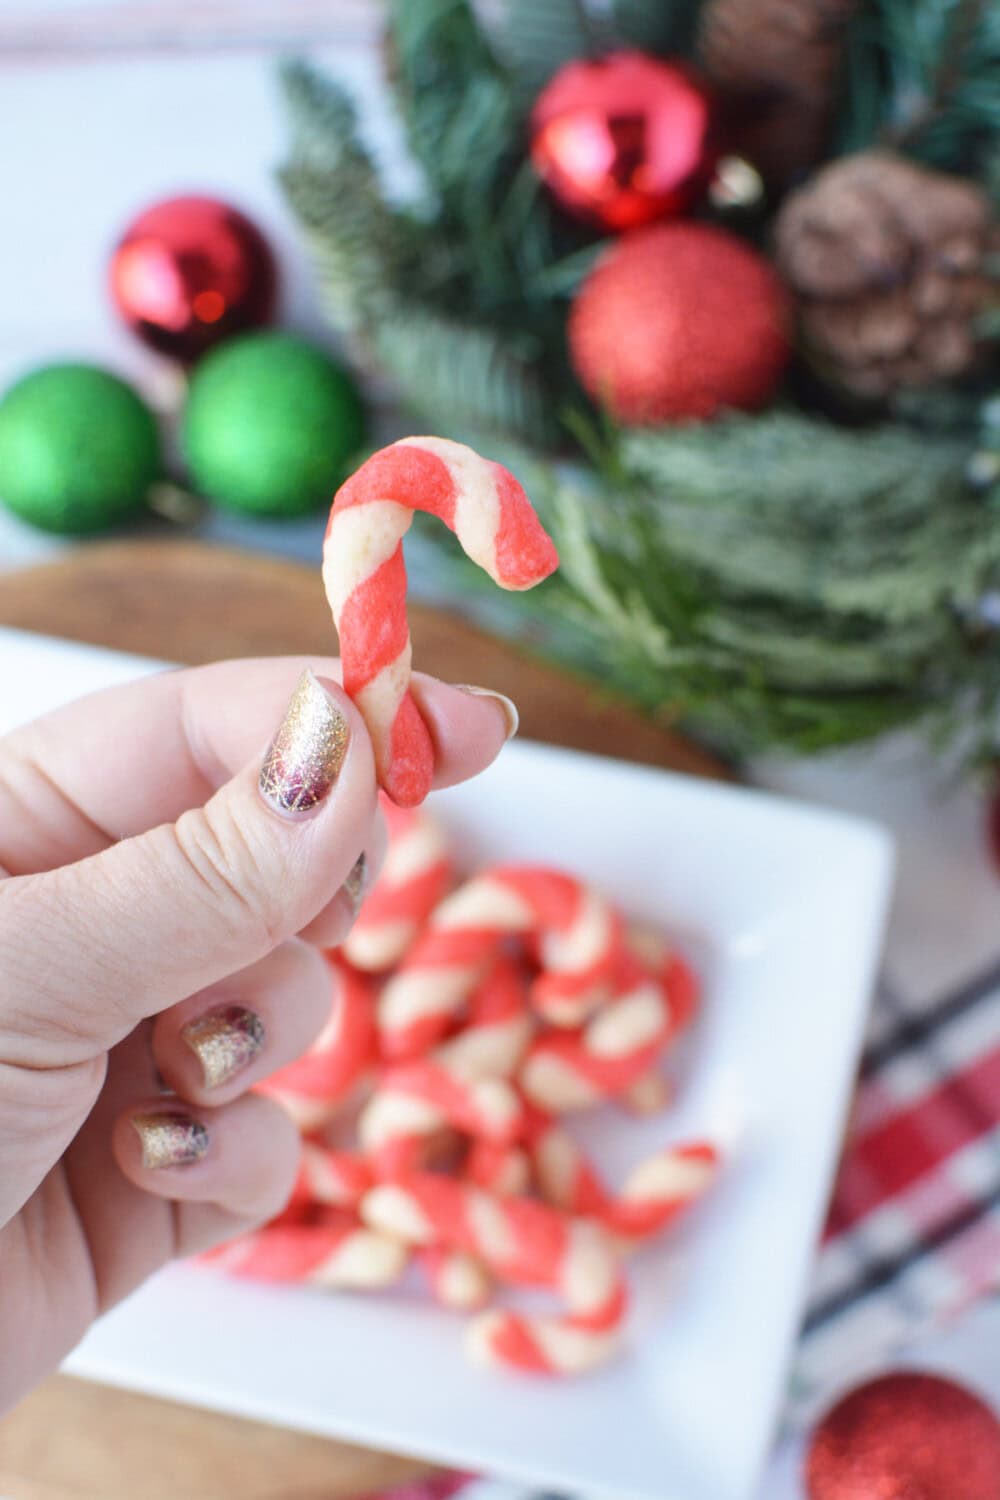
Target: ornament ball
(270,424)
(906,1436)
(190,272)
(624,140)
(78,449)
(678,322)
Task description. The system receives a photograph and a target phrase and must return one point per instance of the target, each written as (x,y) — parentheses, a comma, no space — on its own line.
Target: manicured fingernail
(306,754)
(508,705)
(170,1139)
(357,882)
(225,1041)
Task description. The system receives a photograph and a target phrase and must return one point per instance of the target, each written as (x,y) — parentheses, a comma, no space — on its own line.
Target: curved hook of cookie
(365,579)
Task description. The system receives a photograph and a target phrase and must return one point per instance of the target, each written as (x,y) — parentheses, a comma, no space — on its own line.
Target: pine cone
(888,264)
(774,64)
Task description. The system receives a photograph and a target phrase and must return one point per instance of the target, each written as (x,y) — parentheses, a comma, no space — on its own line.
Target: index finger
(119,762)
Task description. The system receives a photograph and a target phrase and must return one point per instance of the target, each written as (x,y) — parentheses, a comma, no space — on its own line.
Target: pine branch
(361,247)
(924,76)
(772,580)
(534,40)
(665,27)
(457,104)
(462,378)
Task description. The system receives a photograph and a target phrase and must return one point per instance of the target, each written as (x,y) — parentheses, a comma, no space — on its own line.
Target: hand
(163,895)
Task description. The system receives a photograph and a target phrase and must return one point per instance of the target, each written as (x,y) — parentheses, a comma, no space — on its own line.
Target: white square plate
(781,906)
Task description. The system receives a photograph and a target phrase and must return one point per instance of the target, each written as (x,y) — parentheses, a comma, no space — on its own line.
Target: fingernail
(225,1041)
(357,882)
(306,754)
(170,1139)
(508,705)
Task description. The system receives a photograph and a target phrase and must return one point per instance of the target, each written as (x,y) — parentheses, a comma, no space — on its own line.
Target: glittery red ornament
(624,140)
(189,272)
(679,321)
(906,1437)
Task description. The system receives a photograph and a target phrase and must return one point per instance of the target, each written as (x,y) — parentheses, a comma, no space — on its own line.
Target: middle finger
(215,1045)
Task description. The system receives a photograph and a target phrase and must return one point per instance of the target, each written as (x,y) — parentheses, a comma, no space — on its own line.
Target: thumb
(107,941)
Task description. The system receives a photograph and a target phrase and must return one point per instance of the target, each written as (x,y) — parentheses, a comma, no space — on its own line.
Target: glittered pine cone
(774,65)
(889,266)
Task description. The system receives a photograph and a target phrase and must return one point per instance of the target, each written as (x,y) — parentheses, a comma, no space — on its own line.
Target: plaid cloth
(913,1234)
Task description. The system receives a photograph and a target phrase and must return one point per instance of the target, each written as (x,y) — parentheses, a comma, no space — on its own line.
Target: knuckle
(235,873)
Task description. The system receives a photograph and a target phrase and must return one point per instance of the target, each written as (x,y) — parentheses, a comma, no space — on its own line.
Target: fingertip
(242,1157)
(469,726)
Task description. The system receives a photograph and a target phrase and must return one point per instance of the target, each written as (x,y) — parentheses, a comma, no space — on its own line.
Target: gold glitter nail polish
(225,1041)
(170,1139)
(306,754)
(356,883)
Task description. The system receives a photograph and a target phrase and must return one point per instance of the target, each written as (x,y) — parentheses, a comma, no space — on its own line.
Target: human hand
(163,898)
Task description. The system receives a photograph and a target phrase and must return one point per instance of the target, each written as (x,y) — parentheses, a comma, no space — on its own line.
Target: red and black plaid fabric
(913,1234)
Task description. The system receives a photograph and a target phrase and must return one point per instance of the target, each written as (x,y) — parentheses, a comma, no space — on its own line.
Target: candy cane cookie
(337,1179)
(365,579)
(504,1170)
(496,1029)
(525,1243)
(457,1280)
(314,1087)
(336,1251)
(415,1101)
(578,940)
(566,1070)
(653,1195)
(413,879)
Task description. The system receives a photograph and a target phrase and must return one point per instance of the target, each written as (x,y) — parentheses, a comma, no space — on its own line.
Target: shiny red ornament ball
(624,140)
(906,1436)
(189,272)
(678,322)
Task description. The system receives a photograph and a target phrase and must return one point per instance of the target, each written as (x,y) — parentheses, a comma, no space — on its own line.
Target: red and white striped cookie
(457,1280)
(314,1087)
(504,1170)
(654,1193)
(566,1070)
(413,879)
(365,579)
(577,935)
(415,1101)
(525,1243)
(497,1028)
(649,1095)
(336,1179)
(337,1251)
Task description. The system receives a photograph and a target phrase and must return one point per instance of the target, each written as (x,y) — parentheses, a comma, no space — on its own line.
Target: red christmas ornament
(624,140)
(189,272)
(906,1437)
(677,322)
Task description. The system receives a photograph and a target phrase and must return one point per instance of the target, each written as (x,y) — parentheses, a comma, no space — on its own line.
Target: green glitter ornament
(78,449)
(270,425)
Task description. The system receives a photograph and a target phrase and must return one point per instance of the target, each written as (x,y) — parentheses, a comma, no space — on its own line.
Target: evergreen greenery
(778,580)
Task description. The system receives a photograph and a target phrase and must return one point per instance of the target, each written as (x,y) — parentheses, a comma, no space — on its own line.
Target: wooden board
(192,603)
(180,600)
